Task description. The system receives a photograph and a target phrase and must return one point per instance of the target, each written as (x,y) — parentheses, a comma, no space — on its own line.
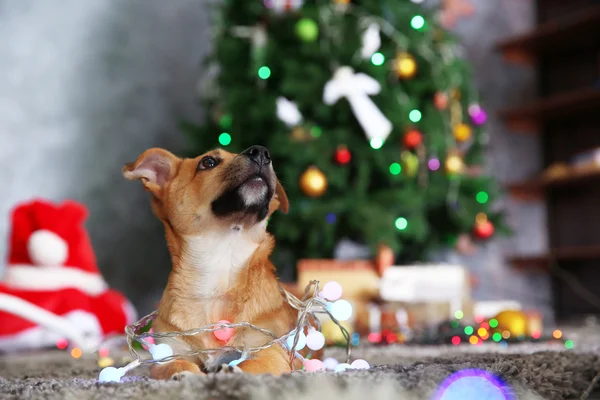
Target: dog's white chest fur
(218,258)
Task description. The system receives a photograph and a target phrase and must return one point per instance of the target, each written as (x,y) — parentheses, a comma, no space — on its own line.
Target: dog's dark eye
(208,163)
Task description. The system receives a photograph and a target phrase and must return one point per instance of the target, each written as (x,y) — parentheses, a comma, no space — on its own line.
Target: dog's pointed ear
(154,167)
(284,203)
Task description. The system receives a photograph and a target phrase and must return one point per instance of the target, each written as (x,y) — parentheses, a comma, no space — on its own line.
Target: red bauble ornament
(484,230)
(342,155)
(412,139)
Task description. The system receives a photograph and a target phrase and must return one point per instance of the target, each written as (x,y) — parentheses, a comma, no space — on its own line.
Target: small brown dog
(214,209)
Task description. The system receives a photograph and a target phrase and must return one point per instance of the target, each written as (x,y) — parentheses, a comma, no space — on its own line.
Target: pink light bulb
(224,334)
(332,291)
(313,365)
(360,364)
(315,340)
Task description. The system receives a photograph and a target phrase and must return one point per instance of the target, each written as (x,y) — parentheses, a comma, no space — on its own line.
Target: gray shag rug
(398,372)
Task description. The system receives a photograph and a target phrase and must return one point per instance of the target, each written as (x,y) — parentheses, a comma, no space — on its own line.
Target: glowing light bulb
(459,314)
(468,330)
(332,291)
(415,116)
(417,22)
(111,374)
(105,362)
(433,164)
(313,365)
(224,334)
(395,168)
(482,197)
(496,337)
(342,367)
(493,323)
(330,363)
(160,351)
(376,143)
(557,334)
(360,364)
(225,139)
(315,340)
(473,340)
(341,310)
(401,224)
(569,344)
(62,344)
(76,352)
(377,59)
(264,72)
(301,341)
(456,340)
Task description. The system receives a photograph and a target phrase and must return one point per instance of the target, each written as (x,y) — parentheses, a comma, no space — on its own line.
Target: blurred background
(87,86)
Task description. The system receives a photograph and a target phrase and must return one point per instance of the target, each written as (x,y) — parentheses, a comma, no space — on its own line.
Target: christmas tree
(370,115)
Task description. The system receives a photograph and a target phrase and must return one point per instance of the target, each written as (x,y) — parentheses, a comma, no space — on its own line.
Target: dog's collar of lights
(311,305)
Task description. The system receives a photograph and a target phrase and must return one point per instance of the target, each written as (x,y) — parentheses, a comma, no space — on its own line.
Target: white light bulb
(160,351)
(111,374)
(315,340)
(301,341)
(341,310)
(342,367)
(330,363)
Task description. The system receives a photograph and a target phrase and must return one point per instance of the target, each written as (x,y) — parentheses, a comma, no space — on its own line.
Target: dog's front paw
(182,375)
(228,369)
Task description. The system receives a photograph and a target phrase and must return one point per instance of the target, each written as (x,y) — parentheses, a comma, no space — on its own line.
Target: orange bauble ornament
(412,139)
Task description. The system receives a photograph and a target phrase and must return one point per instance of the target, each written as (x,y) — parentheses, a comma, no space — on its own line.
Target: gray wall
(85,86)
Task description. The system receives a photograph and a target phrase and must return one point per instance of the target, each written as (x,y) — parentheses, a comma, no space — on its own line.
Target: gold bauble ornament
(313,182)
(462,132)
(406,66)
(299,134)
(513,321)
(454,164)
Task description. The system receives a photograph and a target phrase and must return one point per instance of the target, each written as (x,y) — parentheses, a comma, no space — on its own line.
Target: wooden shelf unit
(536,188)
(579,28)
(565,254)
(530,118)
(564,50)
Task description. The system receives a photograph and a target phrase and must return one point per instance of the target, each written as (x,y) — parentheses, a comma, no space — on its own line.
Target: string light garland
(312,304)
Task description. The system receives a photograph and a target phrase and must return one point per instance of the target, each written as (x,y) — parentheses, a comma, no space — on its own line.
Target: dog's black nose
(258,154)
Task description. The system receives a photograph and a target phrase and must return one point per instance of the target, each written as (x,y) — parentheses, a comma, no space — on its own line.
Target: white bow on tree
(356,88)
(371,41)
(288,112)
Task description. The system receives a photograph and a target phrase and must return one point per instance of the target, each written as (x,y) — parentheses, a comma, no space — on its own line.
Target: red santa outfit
(52,288)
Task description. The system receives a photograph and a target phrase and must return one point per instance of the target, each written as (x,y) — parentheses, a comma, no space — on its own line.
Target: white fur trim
(78,327)
(47,248)
(32,278)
